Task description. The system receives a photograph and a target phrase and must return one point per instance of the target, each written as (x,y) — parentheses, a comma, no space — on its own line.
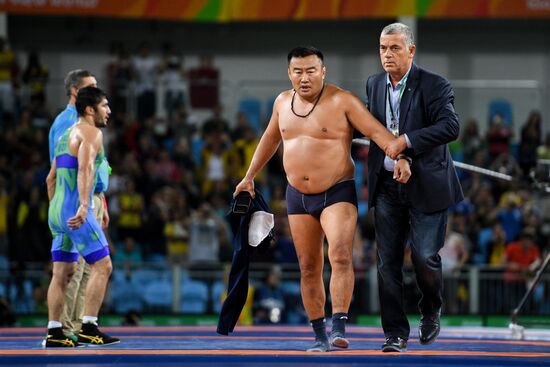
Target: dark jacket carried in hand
(237,289)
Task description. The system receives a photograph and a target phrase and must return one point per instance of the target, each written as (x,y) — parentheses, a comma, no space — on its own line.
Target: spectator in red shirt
(522,258)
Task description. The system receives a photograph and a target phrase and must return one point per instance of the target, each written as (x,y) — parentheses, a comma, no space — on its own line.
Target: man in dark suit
(417,106)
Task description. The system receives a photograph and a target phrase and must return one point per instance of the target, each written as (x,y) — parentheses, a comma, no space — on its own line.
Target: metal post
(176,288)
(473,285)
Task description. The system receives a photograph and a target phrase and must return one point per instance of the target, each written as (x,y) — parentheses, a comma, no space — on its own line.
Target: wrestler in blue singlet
(89,239)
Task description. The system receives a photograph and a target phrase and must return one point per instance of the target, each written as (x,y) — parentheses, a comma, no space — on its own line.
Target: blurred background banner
(261,10)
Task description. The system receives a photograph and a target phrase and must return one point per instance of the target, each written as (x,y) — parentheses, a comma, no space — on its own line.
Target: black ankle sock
(319,328)
(339,322)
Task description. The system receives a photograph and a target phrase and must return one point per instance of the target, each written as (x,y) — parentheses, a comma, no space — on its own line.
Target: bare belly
(313,167)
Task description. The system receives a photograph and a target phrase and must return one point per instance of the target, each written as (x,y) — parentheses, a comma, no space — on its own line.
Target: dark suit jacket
(428,118)
(237,289)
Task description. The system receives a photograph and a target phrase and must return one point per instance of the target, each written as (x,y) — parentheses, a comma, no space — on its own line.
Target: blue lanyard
(394,117)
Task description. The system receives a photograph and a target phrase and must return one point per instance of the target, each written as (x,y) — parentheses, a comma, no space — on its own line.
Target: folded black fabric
(237,289)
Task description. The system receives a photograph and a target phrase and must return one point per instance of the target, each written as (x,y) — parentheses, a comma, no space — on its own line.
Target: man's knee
(340,260)
(103,267)
(63,273)
(310,270)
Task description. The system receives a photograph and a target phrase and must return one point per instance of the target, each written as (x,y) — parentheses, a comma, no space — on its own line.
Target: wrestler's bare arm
(91,141)
(361,119)
(267,146)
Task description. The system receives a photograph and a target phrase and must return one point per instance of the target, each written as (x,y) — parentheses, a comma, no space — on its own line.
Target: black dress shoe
(429,329)
(394,344)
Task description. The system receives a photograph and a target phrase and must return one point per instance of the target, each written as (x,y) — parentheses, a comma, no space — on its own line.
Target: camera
(540,176)
(542,170)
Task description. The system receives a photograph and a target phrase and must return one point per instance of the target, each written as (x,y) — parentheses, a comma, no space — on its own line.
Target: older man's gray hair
(397,28)
(74,79)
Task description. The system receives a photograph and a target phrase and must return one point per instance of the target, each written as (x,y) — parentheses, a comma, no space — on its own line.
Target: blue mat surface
(277,346)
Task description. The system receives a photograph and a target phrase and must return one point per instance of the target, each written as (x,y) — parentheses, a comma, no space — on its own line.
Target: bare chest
(319,125)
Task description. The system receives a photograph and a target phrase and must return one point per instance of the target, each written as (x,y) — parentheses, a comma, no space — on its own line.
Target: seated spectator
(128,254)
(522,261)
(269,301)
(522,257)
(497,246)
(509,215)
(177,238)
(131,205)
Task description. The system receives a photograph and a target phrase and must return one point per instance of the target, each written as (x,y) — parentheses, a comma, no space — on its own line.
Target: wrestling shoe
(90,335)
(339,340)
(321,345)
(394,344)
(73,337)
(56,339)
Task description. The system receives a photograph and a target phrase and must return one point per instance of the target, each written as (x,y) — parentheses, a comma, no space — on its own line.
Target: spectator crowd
(173,176)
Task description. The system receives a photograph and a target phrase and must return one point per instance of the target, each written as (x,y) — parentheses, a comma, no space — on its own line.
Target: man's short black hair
(305,51)
(89,96)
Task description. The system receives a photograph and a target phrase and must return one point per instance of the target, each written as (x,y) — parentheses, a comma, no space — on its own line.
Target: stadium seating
(158,295)
(125,295)
(194,297)
(215,295)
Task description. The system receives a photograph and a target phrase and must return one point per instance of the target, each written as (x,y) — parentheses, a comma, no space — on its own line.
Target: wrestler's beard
(100,122)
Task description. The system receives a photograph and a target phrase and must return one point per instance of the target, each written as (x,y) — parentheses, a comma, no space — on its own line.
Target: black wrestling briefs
(313,204)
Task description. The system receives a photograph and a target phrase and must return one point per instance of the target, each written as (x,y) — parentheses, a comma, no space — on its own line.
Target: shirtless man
(315,122)
(70,183)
